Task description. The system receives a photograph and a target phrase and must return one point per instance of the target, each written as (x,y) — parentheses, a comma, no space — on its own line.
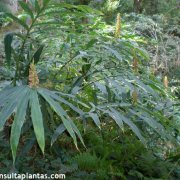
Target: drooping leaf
(149,120)
(36,116)
(62,114)
(72,97)
(95,118)
(133,127)
(57,98)
(7,93)
(10,105)
(119,117)
(18,122)
(76,130)
(62,100)
(115,115)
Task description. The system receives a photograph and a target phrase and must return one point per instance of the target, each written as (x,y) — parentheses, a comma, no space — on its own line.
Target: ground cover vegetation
(90,89)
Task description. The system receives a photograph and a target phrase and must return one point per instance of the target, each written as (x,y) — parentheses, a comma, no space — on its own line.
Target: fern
(86,161)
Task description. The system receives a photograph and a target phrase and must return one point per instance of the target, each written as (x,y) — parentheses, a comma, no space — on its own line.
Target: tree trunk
(138,6)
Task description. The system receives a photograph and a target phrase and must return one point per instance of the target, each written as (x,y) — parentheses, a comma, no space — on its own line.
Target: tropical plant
(102,78)
(21,98)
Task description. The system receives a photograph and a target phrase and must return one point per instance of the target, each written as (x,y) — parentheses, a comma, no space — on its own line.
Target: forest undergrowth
(89,91)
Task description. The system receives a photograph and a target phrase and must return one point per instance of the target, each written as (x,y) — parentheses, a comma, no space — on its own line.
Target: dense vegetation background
(90,88)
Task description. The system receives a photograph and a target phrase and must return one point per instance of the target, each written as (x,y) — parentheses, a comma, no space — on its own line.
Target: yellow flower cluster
(33,77)
(118,26)
(165,81)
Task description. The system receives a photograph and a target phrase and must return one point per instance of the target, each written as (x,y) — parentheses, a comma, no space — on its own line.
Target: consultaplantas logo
(32,176)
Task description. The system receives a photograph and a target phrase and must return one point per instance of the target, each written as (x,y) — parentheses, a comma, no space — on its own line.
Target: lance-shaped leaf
(35,59)
(18,122)
(118,117)
(62,100)
(57,98)
(149,120)
(133,127)
(95,118)
(9,107)
(60,111)
(6,94)
(76,130)
(115,115)
(37,54)
(37,119)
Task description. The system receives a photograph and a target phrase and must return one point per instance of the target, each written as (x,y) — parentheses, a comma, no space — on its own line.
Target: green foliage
(162,36)
(86,161)
(120,156)
(3,6)
(3,9)
(93,76)
(16,99)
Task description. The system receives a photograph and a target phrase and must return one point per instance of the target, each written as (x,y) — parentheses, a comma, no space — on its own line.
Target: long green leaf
(18,122)
(115,115)
(37,119)
(59,110)
(54,96)
(72,97)
(133,127)
(6,94)
(76,130)
(62,100)
(95,118)
(150,121)
(10,106)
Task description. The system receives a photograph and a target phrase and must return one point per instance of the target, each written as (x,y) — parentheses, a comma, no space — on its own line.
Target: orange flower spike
(135,64)
(33,77)
(165,81)
(118,26)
